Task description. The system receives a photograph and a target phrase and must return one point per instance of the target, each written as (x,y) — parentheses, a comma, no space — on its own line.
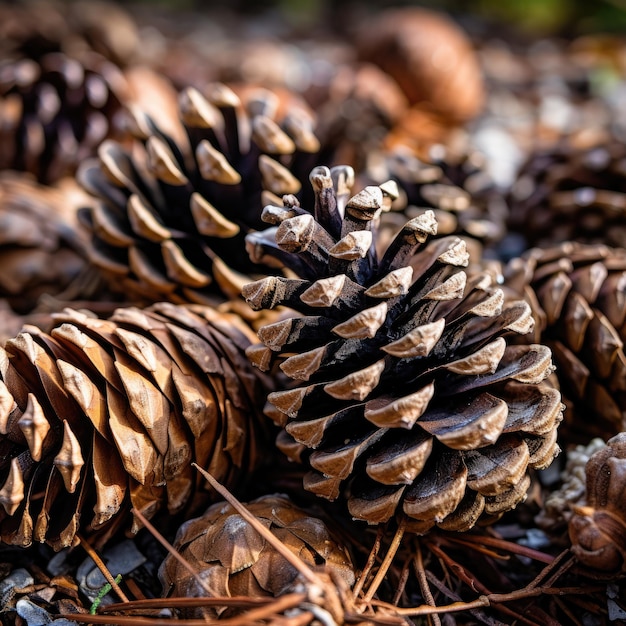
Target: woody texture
(173,208)
(99,416)
(405,396)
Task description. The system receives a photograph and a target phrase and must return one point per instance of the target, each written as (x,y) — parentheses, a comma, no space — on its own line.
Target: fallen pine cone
(576,294)
(102,415)
(597,529)
(570,193)
(233,560)
(429,56)
(42,245)
(406,395)
(457,187)
(55,110)
(173,209)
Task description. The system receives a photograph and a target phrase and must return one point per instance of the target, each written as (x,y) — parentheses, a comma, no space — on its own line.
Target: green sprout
(103,591)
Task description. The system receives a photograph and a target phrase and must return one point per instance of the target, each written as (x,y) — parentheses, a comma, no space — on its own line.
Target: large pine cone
(55,110)
(576,292)
(102,415)
(42,245)
(457,187)
(175,207)
(232,558)
(570,193)
(406,396)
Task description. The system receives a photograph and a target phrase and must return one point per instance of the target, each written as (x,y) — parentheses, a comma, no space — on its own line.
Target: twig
(185,603)
(423,582)
(491,599)
(102,567)
(557,564)
(285,552)
(479,614)
(279,605)
(371,559)
(502,544)
(391,553)
(404,576)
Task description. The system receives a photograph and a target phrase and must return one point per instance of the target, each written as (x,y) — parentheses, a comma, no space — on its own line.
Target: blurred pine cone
(232,559)
(102,415)
(42,244)
(55,110)
(406,396)
(571,193)
(174,207)
(429,56)
(576,293)
(34,28)
(357,108)
(456,186)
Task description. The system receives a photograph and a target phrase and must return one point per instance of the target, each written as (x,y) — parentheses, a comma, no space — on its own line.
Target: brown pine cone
(359,106)
(405,395)
(232,558)
(37,27)
(55,110)
(174,208)
(429,56)
(571,193)
(102,415)
(576,293)
(42,244)
(598,528)
(457,187)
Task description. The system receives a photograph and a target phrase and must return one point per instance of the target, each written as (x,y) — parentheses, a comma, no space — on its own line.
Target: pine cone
(42,245)
(34,28)
(55,110)
(406,396)
(173,209)
(457,187)
(234,560)
(572,194)
(359,107)
(576,293)
(598,529)
(429,56)
(102,415)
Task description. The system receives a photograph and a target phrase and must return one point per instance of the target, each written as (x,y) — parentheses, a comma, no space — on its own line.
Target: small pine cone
(174,208)
(457,187)
(598,528)
(42,244)
(576,292)
(406,396)
(233,559)
(429,56)
(572,194)
(101,415)
(55,110)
